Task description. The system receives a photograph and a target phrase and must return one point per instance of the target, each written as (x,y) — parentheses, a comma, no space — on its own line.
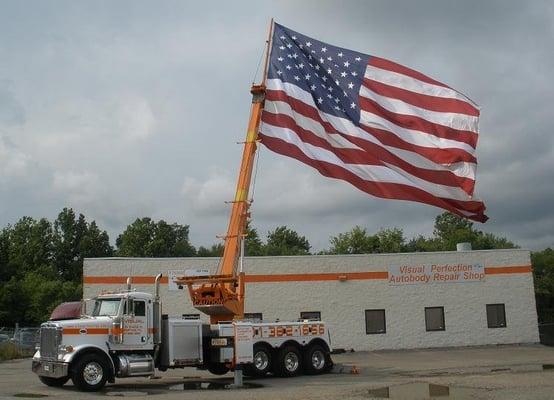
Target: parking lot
(493,372)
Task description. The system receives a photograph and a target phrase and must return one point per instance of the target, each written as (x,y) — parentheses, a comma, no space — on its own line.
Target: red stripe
(437,155)
(428,102)
(394,67)
(371,155)
(419,124)
(379,189)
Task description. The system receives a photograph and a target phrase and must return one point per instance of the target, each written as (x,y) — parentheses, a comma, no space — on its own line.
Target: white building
(370,302)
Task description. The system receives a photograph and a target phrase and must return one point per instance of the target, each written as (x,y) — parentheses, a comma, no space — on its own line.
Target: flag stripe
(378,172)
(432,103)
(379,189)
(414,85)
(394,67)
(427,146)
(352,136)
(450,120)
(371,153)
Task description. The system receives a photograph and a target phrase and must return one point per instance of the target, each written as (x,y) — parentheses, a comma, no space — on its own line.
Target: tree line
(41,261)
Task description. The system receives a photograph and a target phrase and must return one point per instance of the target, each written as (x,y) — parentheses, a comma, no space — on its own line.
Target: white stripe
(412,136)
(414,85)
(462,169)
(453,120)
(371,173)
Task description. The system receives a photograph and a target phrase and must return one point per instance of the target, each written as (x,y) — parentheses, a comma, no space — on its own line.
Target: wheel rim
(291,362)
(318,359)
(93,373)
(261,360)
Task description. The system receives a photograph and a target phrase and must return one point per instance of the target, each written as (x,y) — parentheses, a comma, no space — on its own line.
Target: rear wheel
(261,363)
(90,373)
(54,382)
(316,359)
(289,362)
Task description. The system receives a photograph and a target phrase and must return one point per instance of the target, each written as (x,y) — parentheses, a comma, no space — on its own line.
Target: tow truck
(127,334)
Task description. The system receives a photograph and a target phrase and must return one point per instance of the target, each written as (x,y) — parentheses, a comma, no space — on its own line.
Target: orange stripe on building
(333,276)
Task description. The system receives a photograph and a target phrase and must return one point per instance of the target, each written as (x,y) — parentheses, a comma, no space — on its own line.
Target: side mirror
(129,308)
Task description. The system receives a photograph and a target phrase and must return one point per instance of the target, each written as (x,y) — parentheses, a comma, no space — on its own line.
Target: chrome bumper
(51,369)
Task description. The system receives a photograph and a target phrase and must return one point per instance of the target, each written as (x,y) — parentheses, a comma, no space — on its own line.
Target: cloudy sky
(129,109)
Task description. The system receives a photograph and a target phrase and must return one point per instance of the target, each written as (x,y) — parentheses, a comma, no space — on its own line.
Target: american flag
(390,131)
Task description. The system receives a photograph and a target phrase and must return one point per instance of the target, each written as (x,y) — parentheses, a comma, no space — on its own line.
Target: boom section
(221,296)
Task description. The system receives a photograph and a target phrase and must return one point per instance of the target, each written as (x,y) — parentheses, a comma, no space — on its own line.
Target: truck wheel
(289,362)
(53,382)
(316,360)
(89,373)
(262,361)
(217,369)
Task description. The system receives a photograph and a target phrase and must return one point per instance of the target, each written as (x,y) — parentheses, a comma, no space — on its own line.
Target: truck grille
(50,339)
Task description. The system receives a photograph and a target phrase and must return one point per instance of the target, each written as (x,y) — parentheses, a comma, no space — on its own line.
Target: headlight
(65,349)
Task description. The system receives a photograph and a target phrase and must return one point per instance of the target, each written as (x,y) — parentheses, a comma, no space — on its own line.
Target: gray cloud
(128,109)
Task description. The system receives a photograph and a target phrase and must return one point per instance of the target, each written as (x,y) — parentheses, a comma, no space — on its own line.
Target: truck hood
(85,325)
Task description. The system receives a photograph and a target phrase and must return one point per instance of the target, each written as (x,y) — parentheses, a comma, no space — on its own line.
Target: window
(105,307)
(140,308)
(314,315)
(375,321)
(496,316)
(434,319)
(256,316)
(191,316)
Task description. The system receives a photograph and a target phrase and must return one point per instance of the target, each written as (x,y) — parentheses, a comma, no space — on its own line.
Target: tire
(217,369)
(262,363)
(289,362)
(316,360)
(90,373)
(53,382)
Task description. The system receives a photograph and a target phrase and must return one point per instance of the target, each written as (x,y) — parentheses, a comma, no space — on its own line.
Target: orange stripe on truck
(332,276)
(85,331)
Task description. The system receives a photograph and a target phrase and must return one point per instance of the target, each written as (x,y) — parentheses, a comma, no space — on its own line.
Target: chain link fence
(17,342)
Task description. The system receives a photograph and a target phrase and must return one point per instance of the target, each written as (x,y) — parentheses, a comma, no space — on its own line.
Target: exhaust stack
(128,283)
(157,287)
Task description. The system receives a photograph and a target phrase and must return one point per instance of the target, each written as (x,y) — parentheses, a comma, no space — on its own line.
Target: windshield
(106,307)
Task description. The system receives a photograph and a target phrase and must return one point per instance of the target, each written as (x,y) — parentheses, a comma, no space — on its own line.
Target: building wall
(342,287)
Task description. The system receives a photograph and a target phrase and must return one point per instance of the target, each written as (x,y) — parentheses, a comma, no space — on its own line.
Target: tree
(146,238)
(391,241)
(253,245)
(284,241)
(356,241)
(216,250)
(543,271)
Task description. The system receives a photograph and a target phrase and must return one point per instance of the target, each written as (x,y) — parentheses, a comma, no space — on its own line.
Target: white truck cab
(126,335)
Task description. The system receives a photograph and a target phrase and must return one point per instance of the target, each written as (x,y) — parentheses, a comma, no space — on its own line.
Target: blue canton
(331,74)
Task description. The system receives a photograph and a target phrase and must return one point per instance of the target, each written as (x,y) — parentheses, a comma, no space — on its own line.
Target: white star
(289,45)
(321,60)
(282,37)
(337,108)
(340,54)
(324,49)
(324,78)
(279,72)
(296,66)
(344,93)
(296,77)
(329,95)
(330,88)
(301,46)
(350,85)
(293,37)
(346,64)
(282,47)
(280,58)
(320,100)
(353,105)
(354,73)
(308,76)
(330,58)
(317,67)
(313,87)
(358,58)
(288,67)
(309,44)
(329,70)
(337,82)
(343,74)
(294,55)
(301,65)
(309,57)
(289,55)
(337,100)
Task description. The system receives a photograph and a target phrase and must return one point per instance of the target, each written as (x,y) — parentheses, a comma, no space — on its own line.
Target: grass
(9,351)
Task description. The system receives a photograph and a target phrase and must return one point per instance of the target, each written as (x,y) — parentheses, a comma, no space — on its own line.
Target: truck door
(135,323)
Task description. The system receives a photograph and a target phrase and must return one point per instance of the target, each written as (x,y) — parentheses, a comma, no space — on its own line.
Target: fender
(80,350)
